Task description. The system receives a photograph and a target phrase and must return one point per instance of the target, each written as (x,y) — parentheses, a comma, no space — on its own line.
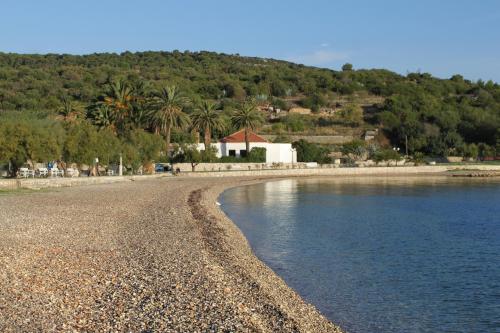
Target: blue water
(386,255)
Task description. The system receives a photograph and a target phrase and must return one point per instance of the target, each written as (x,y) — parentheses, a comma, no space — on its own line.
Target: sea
(381,254)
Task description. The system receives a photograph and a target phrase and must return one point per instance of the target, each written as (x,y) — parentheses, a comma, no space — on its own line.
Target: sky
(442,37)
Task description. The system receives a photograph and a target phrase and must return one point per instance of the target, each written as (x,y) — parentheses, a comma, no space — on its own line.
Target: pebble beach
(138,256)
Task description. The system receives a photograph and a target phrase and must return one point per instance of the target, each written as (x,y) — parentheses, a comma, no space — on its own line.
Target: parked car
(162,167)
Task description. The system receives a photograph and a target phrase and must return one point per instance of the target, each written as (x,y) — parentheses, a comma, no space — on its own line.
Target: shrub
(310,152)
(353,114)
(354,149)
(418,158)
(387,155)
(257,155)
(295,123)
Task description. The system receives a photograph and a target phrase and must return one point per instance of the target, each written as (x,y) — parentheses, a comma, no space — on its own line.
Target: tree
(310,152)
(82,144)
(191,154)
(353,113)
(139,148)
(206,118)
(414,103)
(257,155)
(314,102)
(234,90)
(147,145)
(355,149)
(43,142)
(118,98)
(387,155)
(454,142)
(167,113)
(248,117)
(34,140)
(418,158)
(497,147)
(347,67)
(69,110)
(102,117)
(486,151)
(296,122)
(138,112)
(470,151)
(12,148)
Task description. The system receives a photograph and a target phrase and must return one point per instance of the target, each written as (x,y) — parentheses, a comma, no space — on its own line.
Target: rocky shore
(149,256)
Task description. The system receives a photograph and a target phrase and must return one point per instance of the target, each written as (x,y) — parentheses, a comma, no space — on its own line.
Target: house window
(243,153)
(232,152)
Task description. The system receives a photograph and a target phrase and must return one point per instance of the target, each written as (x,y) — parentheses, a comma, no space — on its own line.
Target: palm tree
(166,112)
(138,110)
(249,118)
(119,99)
(206,118)
(102,116)
(69,111)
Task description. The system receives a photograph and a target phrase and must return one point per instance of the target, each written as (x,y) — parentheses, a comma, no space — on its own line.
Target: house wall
(217,145)
(281,153)
(275,152)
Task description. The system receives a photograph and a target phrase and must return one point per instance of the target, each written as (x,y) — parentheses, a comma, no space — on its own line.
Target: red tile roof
(240,137)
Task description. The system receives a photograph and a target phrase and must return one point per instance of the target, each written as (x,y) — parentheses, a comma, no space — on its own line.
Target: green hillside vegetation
(77,107)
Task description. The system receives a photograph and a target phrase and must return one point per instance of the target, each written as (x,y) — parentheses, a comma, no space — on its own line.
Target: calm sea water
(384,255)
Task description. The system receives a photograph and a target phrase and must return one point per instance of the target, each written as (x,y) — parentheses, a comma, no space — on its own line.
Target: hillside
(436,116)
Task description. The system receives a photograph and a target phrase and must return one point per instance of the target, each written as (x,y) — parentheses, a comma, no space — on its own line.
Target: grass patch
(22,191)
(471,163)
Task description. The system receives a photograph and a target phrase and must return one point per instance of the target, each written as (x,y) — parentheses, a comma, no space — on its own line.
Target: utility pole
(120,167)
(406,144)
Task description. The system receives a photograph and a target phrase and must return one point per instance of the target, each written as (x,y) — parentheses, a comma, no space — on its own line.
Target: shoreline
(286,303)
(306,315)
(157,254)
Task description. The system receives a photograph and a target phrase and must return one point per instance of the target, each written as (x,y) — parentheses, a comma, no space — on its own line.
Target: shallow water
(381,255)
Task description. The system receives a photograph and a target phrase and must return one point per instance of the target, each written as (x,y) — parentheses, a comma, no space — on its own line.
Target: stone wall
(219,167)
(37,183)
(321,139)
(400,170)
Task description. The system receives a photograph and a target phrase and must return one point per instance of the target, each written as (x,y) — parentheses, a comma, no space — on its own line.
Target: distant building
(299,110)
(234,145)
(370,135)
(327,110)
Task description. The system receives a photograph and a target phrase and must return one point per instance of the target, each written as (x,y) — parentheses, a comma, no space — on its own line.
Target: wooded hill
(437,116)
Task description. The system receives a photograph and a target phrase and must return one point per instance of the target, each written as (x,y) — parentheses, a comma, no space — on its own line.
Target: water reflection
(388,254)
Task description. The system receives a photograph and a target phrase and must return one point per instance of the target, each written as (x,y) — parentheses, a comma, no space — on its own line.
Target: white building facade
(234,145)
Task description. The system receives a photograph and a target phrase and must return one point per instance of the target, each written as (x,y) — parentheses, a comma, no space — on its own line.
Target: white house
(234,145)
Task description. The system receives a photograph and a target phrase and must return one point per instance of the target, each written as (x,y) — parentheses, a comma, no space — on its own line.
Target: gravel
(143,256)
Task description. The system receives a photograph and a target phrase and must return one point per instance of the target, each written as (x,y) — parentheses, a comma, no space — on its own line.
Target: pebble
(143,256)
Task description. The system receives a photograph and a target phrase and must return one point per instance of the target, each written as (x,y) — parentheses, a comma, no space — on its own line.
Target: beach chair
(43,172)
(25,173)
(70,172)
(55,172)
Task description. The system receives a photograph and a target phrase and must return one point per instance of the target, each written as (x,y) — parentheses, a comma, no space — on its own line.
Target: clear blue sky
(442,37)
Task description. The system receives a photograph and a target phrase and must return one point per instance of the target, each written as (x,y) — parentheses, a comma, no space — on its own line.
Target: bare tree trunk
(196,135)
(207,138)
(247,142)
(167,141)
(13,168)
